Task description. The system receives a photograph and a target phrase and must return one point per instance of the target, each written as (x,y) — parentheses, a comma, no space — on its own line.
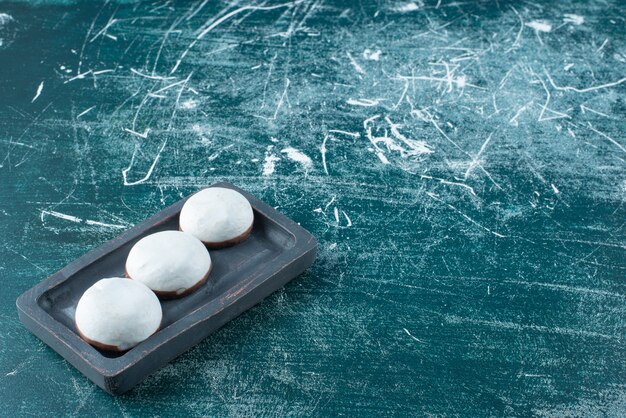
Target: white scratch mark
(519,33)
(573,18)
(169,86)
(189,104)
(451,183)
(59,215)
(555,189)
(197,10)
(5,18)
(584,108)
(477,158)
(323,152)
(347,219)
(219,21)
(557,115)
(411,335)
(571,133)
(402,96)
(38,93)
(21,144)
(298,156)
(177,105)
(436,125)
(460,81)
(368,131)
(355,64)
(78,76)
(406,7)
(143,135)
(336,213)
(25,259)
(84,112)
(151,77)
(363,102)
(417,148)
(76,219)
(513,121)
(110,70)
(603,45)
(102,31)
(540,26)
(497,234)
(607,137)
(148,174)
(585,89)
(269,164)
(370,55)
(455,319)
(281,100)
(97,223)
(330,202)
(219,152)
(352,134)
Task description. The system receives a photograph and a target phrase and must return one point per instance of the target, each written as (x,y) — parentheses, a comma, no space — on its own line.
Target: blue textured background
(462,164)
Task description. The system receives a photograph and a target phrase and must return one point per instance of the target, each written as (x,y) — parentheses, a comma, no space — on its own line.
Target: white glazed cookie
(217,216)
(116,314)
(171,263)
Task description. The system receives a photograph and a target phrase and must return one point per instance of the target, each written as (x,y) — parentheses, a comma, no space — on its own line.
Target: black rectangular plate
(277,250)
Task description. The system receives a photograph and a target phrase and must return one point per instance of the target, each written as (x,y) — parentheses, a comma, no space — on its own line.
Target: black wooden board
(277,250)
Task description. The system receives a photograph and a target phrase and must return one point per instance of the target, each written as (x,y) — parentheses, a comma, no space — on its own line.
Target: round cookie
(116,314)
(171,263)
(218,217)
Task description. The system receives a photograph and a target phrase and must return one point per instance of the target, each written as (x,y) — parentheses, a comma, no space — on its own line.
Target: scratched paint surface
(461,163)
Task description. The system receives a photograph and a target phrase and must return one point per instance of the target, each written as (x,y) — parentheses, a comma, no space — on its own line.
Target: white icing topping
(118,312)
(216,215)
(168,261)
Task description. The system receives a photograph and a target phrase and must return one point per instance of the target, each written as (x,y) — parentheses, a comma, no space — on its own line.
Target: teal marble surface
(462,164)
